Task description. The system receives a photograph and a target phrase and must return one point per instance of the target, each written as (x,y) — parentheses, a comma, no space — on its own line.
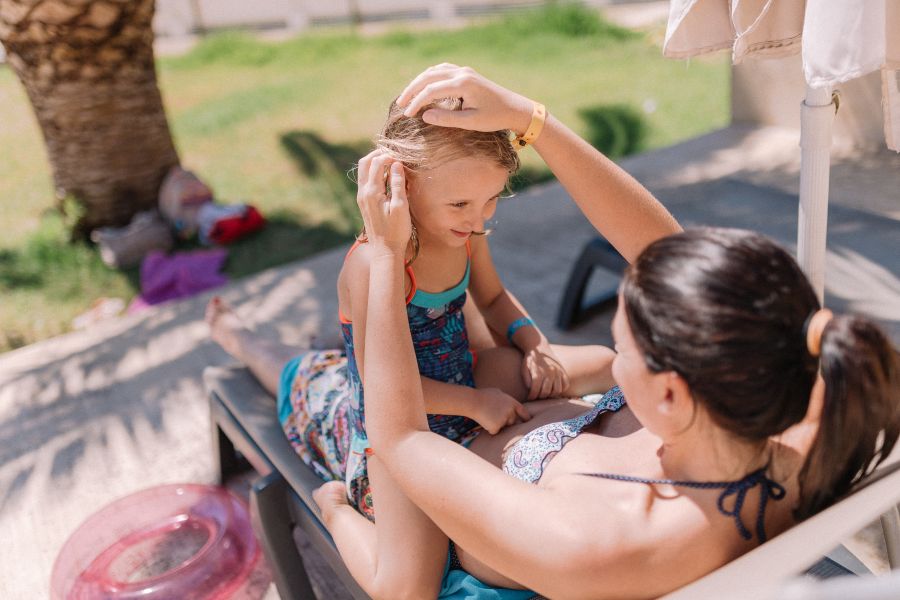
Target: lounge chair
(597,253)
(245,426)
(244,421)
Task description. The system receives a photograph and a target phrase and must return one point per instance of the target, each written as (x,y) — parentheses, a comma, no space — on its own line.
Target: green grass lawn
(280,124)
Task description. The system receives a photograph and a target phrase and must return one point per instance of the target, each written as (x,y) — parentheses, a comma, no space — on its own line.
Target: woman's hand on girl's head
(386,218)
(486,105)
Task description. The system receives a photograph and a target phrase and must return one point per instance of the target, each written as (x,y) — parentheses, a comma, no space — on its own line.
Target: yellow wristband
(538,116)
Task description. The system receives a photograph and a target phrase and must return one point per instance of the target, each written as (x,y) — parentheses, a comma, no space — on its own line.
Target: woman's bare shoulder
(634,535)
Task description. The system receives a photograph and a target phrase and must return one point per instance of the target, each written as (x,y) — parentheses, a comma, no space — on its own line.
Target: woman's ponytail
(860,418)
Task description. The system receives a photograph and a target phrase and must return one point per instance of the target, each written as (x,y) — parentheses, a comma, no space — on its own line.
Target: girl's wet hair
(420,145)
(726,309)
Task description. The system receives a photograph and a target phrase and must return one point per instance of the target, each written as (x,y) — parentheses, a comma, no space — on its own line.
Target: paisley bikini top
(528,458)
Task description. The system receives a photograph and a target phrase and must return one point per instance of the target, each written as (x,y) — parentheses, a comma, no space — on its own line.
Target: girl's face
(451,201)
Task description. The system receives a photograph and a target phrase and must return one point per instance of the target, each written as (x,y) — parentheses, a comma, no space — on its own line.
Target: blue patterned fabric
(439,337)
(283,402)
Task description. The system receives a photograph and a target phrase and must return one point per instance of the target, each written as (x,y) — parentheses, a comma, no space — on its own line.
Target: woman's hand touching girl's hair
(386,217)
(486,105)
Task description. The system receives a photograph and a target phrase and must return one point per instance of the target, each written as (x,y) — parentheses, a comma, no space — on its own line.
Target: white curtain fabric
(763,27)
(890,75)
(840,39)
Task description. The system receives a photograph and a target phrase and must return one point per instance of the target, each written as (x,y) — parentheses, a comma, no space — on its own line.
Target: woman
(719,339)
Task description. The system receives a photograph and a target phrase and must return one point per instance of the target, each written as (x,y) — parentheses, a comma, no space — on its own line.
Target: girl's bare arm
(542,372)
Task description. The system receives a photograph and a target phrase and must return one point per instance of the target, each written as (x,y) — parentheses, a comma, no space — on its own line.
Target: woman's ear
(677,402)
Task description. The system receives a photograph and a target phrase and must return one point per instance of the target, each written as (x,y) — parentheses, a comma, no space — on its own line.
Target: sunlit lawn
(279,124)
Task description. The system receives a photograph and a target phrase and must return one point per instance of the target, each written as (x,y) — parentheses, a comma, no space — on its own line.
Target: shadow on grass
(285,239)
(332,164)
(12,273)
(616,130)
(50,261)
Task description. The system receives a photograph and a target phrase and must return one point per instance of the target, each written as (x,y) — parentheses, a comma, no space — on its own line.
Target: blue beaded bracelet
(516,325)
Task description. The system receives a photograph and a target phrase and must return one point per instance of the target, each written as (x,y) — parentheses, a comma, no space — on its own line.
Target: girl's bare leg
(589,369)
(401,555)
(264,357)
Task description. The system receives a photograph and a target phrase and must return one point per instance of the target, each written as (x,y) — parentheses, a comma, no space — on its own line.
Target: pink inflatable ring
(174,541)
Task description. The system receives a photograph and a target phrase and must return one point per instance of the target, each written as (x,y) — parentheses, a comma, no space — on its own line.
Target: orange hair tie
(814,329)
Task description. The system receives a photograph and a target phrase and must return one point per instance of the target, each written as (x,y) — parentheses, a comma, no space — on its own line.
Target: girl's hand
(496,409)
(486,105)
(386,219)
(543,374)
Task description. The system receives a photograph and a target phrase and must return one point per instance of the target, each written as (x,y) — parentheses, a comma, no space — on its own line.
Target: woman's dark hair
(726,309)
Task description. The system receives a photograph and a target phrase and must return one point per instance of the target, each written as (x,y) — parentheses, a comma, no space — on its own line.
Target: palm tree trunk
(88,69)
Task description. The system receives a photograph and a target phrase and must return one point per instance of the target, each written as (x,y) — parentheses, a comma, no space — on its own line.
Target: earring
(414,240)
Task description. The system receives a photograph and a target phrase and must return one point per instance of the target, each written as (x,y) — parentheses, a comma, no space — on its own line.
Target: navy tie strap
(738,489)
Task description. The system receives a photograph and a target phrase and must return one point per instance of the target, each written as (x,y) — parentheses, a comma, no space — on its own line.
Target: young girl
(455,180)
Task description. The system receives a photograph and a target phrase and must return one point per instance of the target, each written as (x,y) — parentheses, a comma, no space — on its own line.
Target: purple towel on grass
(179,275)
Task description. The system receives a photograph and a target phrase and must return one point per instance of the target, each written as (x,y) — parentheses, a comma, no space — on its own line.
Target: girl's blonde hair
(420,145)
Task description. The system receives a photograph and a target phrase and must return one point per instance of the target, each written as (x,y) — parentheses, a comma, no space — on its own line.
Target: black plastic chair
(596,253)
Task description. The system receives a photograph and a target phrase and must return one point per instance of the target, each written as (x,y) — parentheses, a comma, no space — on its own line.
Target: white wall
(176,18)
(769,92)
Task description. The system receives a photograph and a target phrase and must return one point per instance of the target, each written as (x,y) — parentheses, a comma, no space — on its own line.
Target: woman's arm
(619,207)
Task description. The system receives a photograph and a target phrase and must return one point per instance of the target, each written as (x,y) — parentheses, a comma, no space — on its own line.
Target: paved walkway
(91,416)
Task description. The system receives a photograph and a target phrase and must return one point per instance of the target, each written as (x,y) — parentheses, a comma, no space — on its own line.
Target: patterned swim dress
(321,401)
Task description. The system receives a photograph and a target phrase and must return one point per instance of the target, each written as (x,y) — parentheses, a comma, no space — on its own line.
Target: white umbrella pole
(816,118)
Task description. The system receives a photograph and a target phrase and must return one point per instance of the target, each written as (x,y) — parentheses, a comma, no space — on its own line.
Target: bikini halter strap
(738,489)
